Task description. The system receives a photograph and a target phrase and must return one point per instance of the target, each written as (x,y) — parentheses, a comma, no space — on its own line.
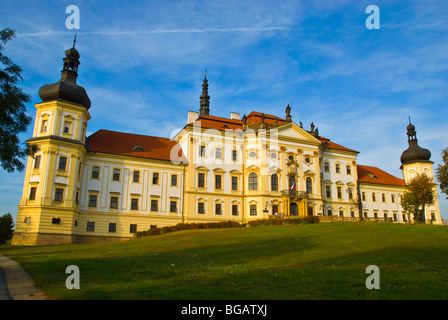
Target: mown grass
(310,261)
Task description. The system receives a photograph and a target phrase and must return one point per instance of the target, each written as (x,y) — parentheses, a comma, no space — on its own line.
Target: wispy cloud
(159,31)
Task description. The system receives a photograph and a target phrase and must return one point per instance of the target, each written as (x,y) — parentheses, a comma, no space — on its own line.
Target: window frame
(253,181)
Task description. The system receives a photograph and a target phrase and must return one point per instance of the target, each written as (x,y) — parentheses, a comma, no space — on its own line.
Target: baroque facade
(111,184)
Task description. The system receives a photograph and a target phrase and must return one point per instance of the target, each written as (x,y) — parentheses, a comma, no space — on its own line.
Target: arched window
(274,182)
(309,185)
(253,181)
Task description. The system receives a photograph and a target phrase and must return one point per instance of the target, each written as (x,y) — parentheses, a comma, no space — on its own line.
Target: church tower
(415,160)
(49,207)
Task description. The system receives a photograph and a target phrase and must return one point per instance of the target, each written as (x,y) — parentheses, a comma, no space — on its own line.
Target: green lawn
(310,261)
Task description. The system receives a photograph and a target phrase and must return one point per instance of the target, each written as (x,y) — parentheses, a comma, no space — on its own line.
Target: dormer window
(138,149)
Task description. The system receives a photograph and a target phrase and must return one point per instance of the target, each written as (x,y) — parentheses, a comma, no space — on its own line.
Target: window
(274,182)
(392,198)
(330,212)
(32,193)
(234,155)
(116,175)
(341,213)
(292,181)
(154,205)
(136,177)
(253,181)
(155,178)
(134,204)
(234,209)
(92,200)
(58,194)
(218,179)
(90,226)
(62,163)
(373,197)
(326,167)
(339,192)
(174,180)
(309,185)
(201,207)
(201,180)
(27,220)
(95,172)
(234,183)
(363,196)
(349,169)
(44,126)
(253,209)
(114,202)
(328,191)
(308,160)
(350,193)
(218,153)
(67,126)
(56,221)
(338,168)
(112,227)
(275,209)
(132,228)
(218,209)
(352,214)
(173,206)
(37,162)
(202,151)
(383,197)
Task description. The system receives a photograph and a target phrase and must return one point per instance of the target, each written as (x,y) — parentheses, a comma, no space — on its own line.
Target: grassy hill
(310,261)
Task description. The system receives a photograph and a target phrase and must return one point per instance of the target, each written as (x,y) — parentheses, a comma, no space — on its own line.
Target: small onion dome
(72,53)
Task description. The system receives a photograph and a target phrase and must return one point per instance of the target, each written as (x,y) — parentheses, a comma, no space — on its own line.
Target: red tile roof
(124,144)
(255,117)
(212,122)
(378,176)
(331,144)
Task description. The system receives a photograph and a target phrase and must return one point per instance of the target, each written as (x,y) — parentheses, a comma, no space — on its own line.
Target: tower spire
(74,40)
(204,109)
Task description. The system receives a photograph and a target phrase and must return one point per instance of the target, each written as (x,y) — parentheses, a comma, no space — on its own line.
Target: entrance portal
(293,209)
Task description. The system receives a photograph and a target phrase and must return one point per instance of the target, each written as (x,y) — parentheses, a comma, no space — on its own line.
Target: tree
(6,228)
(13,118)
(442,173)
(419,193)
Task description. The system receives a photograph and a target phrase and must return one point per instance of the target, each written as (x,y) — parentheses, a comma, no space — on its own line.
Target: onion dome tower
(414,153)
(416,160)
(66,88)
(48,212)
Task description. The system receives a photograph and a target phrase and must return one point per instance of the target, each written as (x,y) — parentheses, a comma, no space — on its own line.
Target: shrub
(188,226)
(225,224)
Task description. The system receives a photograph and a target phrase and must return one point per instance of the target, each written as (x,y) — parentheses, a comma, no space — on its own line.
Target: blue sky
(143,62)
